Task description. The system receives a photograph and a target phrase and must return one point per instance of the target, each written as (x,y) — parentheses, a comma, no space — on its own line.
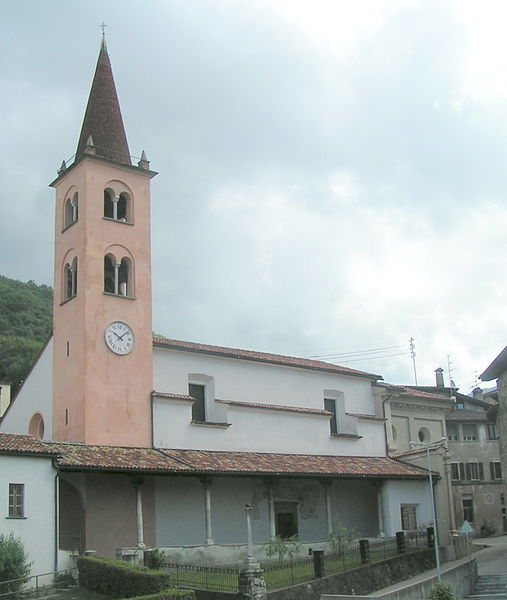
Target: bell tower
(102,333)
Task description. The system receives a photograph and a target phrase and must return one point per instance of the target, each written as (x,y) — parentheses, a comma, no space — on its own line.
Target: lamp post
(432,497)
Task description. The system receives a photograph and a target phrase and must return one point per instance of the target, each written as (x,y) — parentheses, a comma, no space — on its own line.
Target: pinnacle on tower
(102,120)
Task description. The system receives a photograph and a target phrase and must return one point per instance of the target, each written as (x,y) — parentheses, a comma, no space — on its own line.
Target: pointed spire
(144,163)
(102,120)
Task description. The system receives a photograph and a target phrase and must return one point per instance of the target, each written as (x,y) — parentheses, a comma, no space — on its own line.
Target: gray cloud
(310,199)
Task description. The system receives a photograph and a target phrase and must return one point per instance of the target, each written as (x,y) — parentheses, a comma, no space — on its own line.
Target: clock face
(119,337)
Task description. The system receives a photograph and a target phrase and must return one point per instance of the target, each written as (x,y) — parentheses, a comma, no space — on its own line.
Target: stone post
(364,550)
(400,542)
(319,567)
(251,584)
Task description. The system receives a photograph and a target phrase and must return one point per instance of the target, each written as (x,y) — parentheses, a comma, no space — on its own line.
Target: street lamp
(432,497)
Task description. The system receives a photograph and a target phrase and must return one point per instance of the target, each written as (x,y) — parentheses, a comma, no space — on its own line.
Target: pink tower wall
(107,397)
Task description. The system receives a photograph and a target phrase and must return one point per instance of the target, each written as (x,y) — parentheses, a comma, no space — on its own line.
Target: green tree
(281,547)
(341,536)
(14,565)
(25,324)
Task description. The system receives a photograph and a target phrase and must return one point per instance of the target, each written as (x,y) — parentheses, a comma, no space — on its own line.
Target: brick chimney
(439,376)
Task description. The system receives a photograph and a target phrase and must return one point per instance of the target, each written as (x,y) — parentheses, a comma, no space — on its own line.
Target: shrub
(442,591)
(13,565)
(156,559)
(118,578)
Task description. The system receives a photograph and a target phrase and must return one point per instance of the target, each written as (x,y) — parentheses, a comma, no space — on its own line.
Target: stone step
(501,596)
(491,586)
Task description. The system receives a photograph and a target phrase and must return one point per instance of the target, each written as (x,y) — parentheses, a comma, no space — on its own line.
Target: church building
(128,440)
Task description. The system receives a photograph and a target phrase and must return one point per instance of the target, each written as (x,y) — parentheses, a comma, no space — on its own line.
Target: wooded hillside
(25,324)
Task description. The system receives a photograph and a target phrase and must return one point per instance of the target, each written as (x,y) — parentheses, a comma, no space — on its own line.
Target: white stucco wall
(395,493)
(254,429)
(35,396)
(37,529)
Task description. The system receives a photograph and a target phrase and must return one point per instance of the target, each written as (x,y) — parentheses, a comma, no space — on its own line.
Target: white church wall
(396,494)
(34,397)
(259,429)
(36,529)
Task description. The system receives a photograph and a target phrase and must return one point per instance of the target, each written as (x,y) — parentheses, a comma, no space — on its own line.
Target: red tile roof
(409,392)
(412,392)
(463,414)
(173,396)
(295,409)
(364,416)
(11,443)
(113,458)
(412,452)
(82,457)
(276,359)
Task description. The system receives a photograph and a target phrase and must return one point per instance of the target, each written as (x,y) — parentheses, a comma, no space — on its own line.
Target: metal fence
(36,586)
(354,555)
(286,573)
(204,577)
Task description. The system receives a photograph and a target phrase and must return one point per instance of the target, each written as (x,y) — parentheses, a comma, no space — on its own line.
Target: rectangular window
(474,471)
(455,471)
(330,405)
(198,407)
(452,432)
(491,431)
(408,517)
(468,508)
(470,432)
(495,469)
(16,500)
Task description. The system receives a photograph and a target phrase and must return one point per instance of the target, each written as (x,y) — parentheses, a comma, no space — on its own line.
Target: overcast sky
(333,174)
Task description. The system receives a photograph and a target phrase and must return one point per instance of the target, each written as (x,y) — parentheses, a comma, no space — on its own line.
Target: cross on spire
(103,27)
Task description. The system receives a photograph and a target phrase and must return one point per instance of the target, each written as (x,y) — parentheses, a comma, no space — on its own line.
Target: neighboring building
(473,459)
(498,370)
(476,472)
(163,442)
(414,415)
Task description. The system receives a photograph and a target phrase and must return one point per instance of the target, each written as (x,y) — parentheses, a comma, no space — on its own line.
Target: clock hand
(121,337)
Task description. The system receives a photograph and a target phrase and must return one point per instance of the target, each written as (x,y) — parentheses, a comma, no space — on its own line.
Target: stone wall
(461,577)
(360,581)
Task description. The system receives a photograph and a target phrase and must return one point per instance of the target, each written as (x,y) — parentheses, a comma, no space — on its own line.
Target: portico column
(271,506)
(326,484)
(206,484)
(380,508)
(138,483)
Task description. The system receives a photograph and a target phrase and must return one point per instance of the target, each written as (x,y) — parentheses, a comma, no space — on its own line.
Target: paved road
(493,559)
